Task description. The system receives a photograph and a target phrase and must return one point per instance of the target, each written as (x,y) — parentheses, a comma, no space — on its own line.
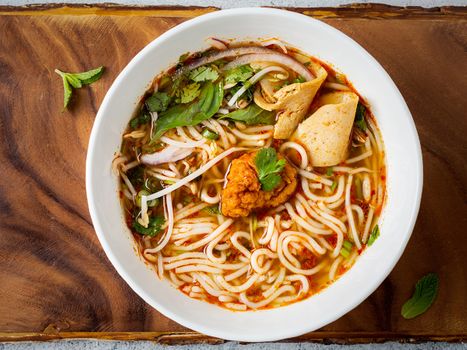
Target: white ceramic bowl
(404,173)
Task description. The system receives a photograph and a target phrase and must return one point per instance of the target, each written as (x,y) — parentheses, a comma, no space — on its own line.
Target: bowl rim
(121,269)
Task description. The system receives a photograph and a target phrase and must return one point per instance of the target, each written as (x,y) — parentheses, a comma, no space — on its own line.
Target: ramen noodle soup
(251,176)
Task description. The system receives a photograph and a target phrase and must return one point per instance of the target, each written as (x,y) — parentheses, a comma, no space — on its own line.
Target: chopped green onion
(347,245)
(168,182)
(345,253)
(373,235)
(210,135)
(329,171)
(141,193)
(333,186)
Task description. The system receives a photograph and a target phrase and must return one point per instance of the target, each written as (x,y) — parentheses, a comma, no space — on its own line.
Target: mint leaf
(76,80)
(268,167)
(238,74)
(425,293)
(203,73)
(154,226)
(90,76)
(158,102)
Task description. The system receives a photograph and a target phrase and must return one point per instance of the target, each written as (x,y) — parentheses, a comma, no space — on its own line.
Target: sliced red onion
(253,80)
(238,51)
(274,57)
(274,42)
(217,43)
(168,154)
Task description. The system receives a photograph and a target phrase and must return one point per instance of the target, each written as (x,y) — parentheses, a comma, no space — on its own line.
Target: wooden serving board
(55,280)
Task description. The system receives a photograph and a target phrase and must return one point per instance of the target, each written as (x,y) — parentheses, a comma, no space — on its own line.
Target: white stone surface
(246,3)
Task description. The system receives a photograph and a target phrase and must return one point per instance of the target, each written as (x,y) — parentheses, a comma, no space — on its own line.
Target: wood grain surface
(55,280)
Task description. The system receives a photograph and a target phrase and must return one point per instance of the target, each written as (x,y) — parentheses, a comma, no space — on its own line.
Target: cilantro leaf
(158,102)
(154,226)
(189,92)
(238,74)
(425,293)
(268,166)
(360,117)
(373,235)
(203,73)
(251,115)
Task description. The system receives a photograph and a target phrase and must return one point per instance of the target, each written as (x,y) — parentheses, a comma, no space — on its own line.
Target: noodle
(205,219)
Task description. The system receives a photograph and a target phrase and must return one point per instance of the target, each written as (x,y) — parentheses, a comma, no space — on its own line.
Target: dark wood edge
(193,337)
(361,11)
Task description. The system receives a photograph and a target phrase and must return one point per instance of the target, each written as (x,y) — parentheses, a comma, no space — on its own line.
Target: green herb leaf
(213,210)
(425,293)
(90,76)
(67,91)
(190,92)
(268,166)
(210,135)
(251,115)
(142,118)
(77,80)
(158,102)
(360,117)
(329,171)
(203,73)
(154,226)
(373,235)
(209,102)
(238,74)
(151,203)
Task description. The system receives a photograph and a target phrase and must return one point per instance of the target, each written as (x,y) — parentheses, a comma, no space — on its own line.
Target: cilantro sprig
(269,167)
(77,80)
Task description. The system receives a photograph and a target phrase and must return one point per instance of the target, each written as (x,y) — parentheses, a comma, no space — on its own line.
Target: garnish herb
(203,73)
(329,171)
(373,235)
(210,135)
(208,103)
(190,92)
(154,226)
(251,115)
(158,102)
(360,117)
(77,80)
(268,167)
(213,210)
(238,74)
(142,118)
(425,293)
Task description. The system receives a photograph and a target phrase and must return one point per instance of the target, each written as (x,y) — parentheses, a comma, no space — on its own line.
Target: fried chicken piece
(243,194)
